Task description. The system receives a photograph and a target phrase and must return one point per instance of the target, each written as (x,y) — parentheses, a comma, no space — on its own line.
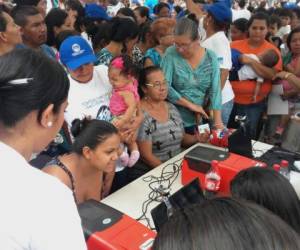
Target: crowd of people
(95,94)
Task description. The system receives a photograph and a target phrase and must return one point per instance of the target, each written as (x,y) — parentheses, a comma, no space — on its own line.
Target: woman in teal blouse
(194,74)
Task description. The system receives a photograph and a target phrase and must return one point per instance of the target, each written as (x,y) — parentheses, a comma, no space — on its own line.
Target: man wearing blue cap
(90,89)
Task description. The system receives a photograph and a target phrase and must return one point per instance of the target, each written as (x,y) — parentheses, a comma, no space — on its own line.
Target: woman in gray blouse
(161,135)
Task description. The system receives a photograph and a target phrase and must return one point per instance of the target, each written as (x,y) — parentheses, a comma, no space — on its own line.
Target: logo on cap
(76,50)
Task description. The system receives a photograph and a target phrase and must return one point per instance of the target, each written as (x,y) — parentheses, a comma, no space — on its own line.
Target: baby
(240,72)
(124,101)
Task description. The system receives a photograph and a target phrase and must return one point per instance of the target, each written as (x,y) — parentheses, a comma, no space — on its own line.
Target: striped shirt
(165,137)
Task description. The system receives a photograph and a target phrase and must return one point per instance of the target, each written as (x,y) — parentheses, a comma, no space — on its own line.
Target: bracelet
(287,75)
(218,124)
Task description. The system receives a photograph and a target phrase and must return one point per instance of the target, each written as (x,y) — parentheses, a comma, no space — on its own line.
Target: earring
(49,124)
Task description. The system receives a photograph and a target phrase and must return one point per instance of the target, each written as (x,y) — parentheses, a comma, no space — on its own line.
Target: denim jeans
(226,111)
(252,111)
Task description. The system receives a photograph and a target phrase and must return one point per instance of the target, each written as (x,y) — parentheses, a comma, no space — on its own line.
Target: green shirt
(192,84)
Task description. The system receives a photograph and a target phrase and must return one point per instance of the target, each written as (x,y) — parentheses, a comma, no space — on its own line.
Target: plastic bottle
(284,169)
(212,179)
(276,167)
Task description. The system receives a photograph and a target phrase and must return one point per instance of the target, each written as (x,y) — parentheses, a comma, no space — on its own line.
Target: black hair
(127,12)
(129,67)
(225,224)
(5,8)
(241,24)
(219,25)
(242,4)
(90,133)
(158,7)
(26,2)
(100,36)
(120,32)
(290,36)
(143,11)
(269,189)
(63,35)
(286,13)
(269,58)
(259,16)
(145,28)
(178,9)
(77,6)
(55,18)
(91,25)
(20,14)
(47,84)
(260,10)
(275,20)
(251,9)
(3,22)
(143,78)
(193,17)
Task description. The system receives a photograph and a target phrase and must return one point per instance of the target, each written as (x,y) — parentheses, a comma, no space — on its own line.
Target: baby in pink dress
(124,102)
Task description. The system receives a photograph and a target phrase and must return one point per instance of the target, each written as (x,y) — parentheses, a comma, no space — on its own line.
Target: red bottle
(284,169)
(213,178)
(276,167)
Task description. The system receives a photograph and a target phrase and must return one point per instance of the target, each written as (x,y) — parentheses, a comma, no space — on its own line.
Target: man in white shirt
(241,12)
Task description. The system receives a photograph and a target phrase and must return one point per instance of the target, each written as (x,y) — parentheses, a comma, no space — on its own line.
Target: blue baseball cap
(96,11)
(220,11)
(75,52)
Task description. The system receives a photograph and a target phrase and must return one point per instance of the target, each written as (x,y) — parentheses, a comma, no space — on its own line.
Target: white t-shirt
(220,45)
(241,13)
(90,99)
(37,211)
(246,72)
(113,9)
(284,30)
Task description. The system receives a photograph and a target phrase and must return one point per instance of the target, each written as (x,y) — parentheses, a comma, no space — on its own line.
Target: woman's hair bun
(79,125)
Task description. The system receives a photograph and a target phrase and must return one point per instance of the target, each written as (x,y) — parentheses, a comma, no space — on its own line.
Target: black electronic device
(187,195)
(239,142)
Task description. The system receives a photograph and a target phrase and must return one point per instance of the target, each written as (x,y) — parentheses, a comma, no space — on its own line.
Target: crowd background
(133,80)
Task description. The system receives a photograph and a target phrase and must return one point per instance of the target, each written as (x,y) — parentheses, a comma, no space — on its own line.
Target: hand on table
(203,137)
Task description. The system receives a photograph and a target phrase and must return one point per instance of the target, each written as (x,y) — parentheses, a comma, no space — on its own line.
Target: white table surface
(130,198)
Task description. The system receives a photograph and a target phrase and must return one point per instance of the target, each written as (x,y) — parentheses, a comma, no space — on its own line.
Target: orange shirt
(244,90)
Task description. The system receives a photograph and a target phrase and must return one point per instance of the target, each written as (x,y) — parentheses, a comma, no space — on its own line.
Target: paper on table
(277,106)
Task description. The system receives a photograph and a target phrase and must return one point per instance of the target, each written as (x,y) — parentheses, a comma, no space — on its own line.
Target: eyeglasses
(157,84)
(183,46)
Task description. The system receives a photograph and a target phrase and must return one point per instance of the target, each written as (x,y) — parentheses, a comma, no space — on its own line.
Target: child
(239,29)
(285,16)
(124,101)
(275,25)
(242,71)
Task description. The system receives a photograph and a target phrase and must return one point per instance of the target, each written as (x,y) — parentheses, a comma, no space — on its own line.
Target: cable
(160,187)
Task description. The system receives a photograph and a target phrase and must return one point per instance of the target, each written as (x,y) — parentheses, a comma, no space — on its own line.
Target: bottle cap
(284,163)
(276,167)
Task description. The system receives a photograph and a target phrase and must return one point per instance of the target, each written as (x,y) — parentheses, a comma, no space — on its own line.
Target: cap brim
(76,63)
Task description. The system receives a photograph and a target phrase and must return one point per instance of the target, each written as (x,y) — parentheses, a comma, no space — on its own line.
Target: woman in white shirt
(37,211)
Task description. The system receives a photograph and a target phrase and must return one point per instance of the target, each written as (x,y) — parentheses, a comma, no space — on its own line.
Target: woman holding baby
(244,104)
